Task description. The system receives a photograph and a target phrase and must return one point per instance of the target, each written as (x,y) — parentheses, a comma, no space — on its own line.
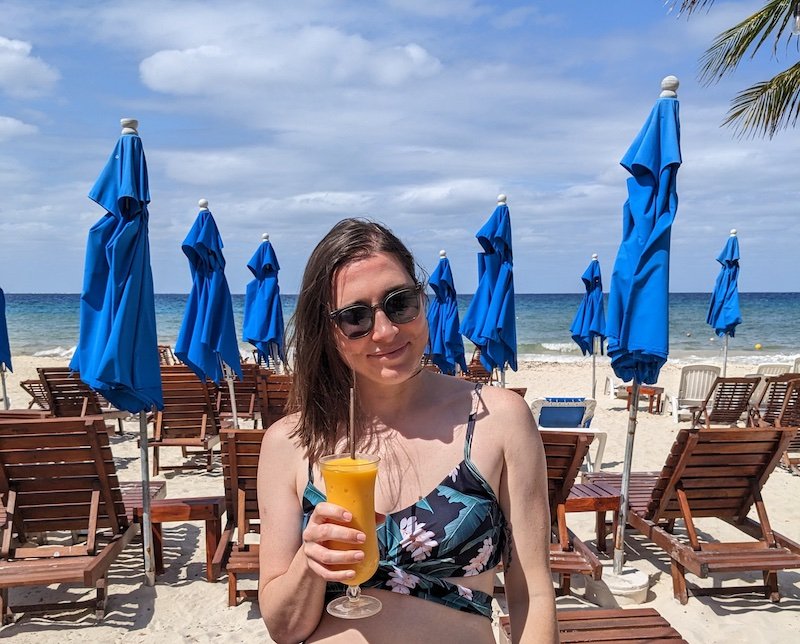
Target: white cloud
(23,75)
(11,127)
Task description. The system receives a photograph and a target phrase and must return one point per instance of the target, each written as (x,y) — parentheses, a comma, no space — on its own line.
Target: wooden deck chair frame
(235,553)
(250,393)
(565,450)
(188,419)
(789,416)
(68,396)
(35,388)
(770,403)
(276,386)
(717,473)
(727,402)
(58,474)
(476,372)
(695,382)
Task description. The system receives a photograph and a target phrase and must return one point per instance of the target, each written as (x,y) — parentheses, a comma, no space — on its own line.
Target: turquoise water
(47,324)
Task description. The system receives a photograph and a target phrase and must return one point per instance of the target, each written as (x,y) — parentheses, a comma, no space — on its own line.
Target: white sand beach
(183,606)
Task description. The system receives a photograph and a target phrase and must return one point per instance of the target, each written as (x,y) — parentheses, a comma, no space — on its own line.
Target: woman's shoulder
(280,440)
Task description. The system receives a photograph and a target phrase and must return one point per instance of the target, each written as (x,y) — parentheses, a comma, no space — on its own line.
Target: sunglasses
(400,306)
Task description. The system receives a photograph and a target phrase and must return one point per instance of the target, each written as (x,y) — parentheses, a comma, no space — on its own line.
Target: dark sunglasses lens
(402,306)
(355,321)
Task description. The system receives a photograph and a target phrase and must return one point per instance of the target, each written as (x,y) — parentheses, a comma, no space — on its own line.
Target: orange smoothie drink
(350,483)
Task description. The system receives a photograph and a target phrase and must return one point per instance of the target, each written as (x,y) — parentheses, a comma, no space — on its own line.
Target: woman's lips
(389,354)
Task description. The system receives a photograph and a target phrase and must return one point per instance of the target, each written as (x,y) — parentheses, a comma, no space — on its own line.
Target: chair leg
(232,599)
(102,595)
(679,582)
(209,455)
(155,460)
(771,585)
(6,616)
(600,527)
(565,584)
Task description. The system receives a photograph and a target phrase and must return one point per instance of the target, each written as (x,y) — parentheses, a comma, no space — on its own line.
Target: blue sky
(290,116)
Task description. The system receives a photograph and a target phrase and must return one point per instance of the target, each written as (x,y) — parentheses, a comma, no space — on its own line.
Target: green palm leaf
(768,106)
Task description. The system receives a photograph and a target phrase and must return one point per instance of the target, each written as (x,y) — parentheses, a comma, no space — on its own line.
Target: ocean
(47,325)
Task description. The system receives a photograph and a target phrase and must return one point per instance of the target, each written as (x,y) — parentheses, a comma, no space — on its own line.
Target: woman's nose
(383,327)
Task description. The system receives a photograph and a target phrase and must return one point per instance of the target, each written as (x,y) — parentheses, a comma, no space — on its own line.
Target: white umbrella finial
(594,257)
(203,203)
(129,125)
(733,232)
(669,87)
(264,237)
(501,199)
(443,253)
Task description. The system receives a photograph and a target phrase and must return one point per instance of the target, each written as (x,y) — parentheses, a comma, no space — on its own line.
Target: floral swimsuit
(457,530)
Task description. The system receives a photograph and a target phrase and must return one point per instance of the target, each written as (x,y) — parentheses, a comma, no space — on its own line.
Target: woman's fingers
(328,523)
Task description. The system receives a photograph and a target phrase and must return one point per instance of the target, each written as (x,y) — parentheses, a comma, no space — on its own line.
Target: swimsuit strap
(473,413)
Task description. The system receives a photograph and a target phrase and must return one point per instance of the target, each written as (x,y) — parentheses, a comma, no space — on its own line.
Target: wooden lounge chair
(623,625)
(695,383)
(38,393)
(727,402)
(57,475)
(715,473)
(789,416)
(68,396)
(770,404)
(476,372)
(236,554)
(166,356)
(564,453)
(250,394)
(277,388)
(188,420)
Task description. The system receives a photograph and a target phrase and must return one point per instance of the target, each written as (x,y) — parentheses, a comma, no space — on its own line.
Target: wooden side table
(597,497)
(653,394)
(202,508)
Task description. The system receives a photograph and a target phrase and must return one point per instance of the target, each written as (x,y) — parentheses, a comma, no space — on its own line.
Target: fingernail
(347,516)
(359,556)
(350,574)
(361,537)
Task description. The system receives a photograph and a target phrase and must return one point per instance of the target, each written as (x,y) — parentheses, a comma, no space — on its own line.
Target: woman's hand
(328,522)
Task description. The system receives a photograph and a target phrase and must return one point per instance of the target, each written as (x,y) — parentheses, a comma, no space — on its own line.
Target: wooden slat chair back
(250,394)
(789,416)
(564,453)
(769,404)
(35,388)
(726,402)
(166,356)
(188,420)
(715,473)
(476,372)
(237,555)
(277,388)
(58,475)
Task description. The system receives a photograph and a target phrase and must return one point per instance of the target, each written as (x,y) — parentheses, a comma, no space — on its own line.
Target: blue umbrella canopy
(490,322)
(723,309)
(637,325)
(263,314)
(117,350)
(207,336)
(445,345)
(5,348)
(590,320)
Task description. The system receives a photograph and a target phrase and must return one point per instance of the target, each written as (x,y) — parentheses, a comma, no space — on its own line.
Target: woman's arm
(293,566)
(523,497)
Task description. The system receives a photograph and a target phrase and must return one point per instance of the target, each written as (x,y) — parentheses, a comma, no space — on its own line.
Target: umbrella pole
(725,356)
(147,525)
(229,377)
(6,404)
(619,537)
(594,366)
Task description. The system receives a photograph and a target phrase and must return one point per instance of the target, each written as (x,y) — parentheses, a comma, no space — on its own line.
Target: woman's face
(390,353)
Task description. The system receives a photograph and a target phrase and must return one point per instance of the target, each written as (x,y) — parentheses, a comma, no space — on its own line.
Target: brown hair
(322,380)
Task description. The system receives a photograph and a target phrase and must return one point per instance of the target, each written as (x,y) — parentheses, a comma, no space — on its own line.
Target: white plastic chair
(694,385)
(796,365)
(774,368)
(615,387)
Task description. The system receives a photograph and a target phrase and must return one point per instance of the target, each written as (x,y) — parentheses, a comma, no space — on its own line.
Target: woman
(462,477)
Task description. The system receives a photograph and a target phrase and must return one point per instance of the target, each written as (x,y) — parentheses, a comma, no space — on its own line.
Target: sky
(288,117)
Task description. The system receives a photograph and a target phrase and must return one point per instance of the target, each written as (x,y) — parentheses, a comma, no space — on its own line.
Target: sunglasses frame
(417,288)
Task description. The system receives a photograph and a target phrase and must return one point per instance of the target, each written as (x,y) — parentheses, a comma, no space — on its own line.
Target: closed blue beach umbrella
(263,313)
(490,322)
(117,351)
(207,337)
(5,348)
(589,325)
(637,326)
(723,309)
(445,345)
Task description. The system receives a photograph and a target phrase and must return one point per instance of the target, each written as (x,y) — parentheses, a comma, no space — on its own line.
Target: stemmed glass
(350,483)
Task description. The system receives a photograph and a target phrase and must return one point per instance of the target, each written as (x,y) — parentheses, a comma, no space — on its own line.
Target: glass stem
(353,593)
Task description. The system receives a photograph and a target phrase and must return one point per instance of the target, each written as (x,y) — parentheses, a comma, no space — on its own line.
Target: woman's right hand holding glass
(329,522)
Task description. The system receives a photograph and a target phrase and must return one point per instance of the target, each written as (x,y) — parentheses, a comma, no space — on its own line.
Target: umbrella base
(612,590)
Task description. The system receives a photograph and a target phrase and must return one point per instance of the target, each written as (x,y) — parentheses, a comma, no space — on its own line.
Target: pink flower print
(401,582)
(478,562)
(454,473)
(416,540)
(464,591)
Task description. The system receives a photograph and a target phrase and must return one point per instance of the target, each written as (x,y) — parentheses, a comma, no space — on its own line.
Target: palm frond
(688,7)
(732,45)
(768,106)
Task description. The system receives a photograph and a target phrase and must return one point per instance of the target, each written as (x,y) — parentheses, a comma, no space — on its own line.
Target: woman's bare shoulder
(280,442)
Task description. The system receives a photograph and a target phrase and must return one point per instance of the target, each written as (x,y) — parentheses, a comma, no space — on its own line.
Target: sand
(184,607)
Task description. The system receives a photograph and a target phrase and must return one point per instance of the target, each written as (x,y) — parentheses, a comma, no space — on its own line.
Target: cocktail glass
(350,483)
